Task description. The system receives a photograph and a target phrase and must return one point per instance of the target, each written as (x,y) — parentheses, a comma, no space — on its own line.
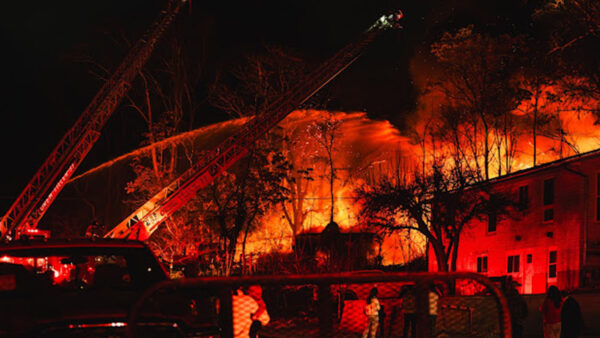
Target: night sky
(46,87)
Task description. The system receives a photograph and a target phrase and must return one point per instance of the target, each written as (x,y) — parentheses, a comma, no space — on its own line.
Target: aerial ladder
(49,180)
(145,220)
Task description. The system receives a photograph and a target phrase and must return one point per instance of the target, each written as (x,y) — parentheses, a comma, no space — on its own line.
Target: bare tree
(247,89)
(235,202)
(476,84)
(296,150)
(256,82)
(325,133)
(574,27)
(165,99)
(439,205)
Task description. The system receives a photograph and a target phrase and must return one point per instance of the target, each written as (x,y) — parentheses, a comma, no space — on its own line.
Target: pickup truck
(85,287)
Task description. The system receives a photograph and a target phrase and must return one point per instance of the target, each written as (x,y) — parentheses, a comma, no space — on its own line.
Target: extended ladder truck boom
(54,173)
(145,220)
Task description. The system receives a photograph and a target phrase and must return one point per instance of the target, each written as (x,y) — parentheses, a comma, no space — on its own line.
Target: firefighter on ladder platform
(94,230)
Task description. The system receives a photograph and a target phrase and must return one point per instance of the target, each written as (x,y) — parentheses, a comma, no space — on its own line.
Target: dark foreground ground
(306,328)
(590,306)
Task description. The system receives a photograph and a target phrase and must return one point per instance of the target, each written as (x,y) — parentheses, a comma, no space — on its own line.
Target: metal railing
(334,305)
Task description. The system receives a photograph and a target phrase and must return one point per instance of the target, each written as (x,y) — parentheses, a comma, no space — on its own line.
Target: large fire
(571,131)
(366,150)
(568,127)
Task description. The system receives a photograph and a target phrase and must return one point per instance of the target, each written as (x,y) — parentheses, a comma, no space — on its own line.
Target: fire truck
(32,234)
(49,180)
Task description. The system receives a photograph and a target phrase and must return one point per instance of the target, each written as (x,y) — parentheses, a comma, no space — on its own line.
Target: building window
(598,209)
(524,197)
(549,191)
(552,265)
(513,264)
(529,258)
(492,222)
(482,264)
(598,197)
(548,199)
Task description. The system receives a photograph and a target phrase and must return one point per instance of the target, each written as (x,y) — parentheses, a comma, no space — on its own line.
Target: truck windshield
(80,268)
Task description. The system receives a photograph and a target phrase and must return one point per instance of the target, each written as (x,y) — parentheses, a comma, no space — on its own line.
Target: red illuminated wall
(573,233)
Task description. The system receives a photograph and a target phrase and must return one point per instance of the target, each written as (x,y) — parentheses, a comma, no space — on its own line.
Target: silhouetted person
(93,230)
(571,318)
(243,307)
(261,316)
(381,321)
(410,314)
(372,312)
(517,307)
(551,313)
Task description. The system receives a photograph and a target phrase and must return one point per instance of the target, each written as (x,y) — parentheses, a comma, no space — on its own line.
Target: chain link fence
(368,304)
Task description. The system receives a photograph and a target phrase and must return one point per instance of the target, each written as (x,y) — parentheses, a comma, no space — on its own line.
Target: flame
(365,148)
(573,128)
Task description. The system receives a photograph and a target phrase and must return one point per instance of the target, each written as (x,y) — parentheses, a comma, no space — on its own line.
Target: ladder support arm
(144,221)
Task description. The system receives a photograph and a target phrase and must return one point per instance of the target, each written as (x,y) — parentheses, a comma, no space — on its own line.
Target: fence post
(226,312)
(325,305)
(422,307)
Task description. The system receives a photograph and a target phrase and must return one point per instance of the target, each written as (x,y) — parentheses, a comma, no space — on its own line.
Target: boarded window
(598,197)
(482,264)
(598,208)
(524,197)
(552,264)
(513,264)
(492,221)
(549,191)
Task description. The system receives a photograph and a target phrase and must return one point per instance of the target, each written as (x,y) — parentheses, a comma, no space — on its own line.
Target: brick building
(553,238)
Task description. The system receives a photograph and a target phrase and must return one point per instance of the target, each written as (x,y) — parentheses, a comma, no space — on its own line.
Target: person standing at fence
(409,309)
(517,307)
(261,317)
(551,313)
(570,317)
(371,310)
(382,320)
(243,307)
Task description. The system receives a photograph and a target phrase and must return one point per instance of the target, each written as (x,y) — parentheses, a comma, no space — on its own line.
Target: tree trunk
(454,257)
(438,250)
(507,146)
(231,253)
(331,185)
(243,254)
(535,115)
(499,150)
(244,246)
(486,150)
